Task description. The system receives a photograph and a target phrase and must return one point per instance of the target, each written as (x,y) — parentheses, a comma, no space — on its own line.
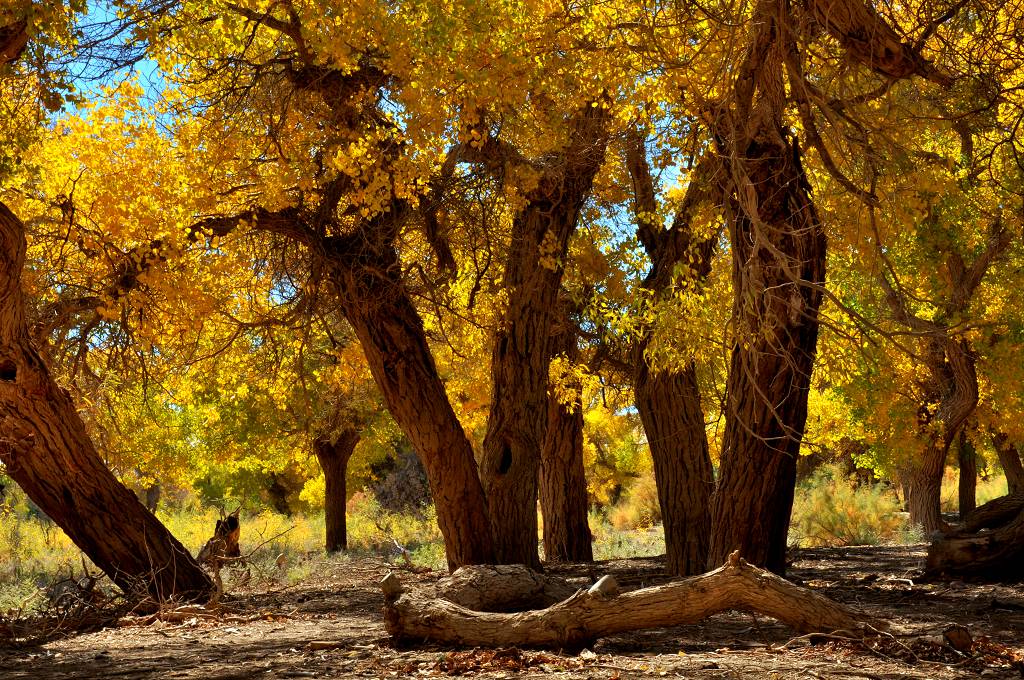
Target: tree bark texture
(778,256)
(601,611)
(968,459)
(1009,458)
(523,342)
(563,481)
(952,384)
(333,456)
(668,400)
(996,512)
(46,449)
(996,555)
(391,333)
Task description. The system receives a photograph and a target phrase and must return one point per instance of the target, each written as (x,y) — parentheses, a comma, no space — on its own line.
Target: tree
(47,450)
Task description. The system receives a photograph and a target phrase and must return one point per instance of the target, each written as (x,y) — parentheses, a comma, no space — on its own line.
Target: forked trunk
(523,344)
(391,334)
(669,406)
(563,481)
(668,401)
(333,457)
(45,449)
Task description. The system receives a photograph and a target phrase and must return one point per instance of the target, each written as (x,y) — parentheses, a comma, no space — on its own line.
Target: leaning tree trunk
(1009,458)
(523,343)
(563,481)
(47,451)
(778,255)
(968,459)
(333,456)
(668,400)
(392,336)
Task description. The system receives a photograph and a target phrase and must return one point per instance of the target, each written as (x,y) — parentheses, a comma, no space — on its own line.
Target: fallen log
(503,588)
(996,555)
(996,512)
(602,610)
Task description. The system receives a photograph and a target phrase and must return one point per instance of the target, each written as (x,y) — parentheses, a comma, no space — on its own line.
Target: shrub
(830,509)
(638,508)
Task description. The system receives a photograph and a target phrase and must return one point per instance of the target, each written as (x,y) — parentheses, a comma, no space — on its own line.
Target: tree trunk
(994,555)
(602,610)
(391,333)
(924,489)
(669,406)
(333,457)
(968,460)
(996,512)
(563,481)
(523,343)
(778,256)
(668,401)
(1009,458)
(47,451)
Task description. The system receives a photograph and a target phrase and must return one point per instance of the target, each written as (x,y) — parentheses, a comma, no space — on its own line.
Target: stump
(602,610)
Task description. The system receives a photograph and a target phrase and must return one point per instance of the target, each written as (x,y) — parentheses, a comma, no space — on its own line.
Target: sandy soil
(329,626)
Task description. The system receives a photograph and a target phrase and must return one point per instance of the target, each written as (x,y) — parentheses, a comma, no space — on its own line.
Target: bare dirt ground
(329,626)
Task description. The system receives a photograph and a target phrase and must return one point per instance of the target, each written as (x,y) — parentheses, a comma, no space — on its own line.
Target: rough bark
(47,451)
(996,512)
(668,401)
(503,588)
(996,555)
(952,384)
(392,336)
(523,342)
(602,610)
(333,456)
(968,459)
(778,256)
(1009,458)
(563,481)
(924,490)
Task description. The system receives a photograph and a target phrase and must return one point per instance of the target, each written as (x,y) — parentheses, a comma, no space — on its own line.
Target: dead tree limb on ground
(602,610)
(991,546)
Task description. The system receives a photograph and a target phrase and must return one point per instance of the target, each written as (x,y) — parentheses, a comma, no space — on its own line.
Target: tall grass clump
(831,509)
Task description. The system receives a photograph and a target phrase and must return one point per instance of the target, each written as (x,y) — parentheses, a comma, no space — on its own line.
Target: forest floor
(329,626)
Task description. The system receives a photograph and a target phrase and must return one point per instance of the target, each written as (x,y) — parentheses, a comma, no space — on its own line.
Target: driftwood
(996,555)
(602,610)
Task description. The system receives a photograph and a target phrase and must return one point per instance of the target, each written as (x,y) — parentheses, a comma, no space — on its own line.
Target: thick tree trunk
(778,254)
(994,555)
(333,457)
(967,490)
(669,406)
(523,342)
(602,610)
(391,333)
(924,491)
(47,451)
(1009,458)
(563,481)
